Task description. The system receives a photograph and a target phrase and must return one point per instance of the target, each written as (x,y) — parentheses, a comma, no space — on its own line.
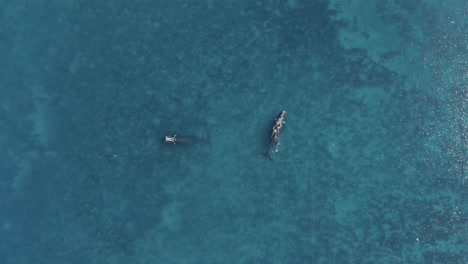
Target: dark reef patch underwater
(372,166)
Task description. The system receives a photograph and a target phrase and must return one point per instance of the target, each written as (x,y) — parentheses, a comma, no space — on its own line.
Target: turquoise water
(372,166)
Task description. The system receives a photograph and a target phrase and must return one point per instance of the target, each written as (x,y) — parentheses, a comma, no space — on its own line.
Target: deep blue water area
(372,165)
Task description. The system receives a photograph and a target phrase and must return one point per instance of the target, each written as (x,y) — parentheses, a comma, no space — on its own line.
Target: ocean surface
(373,161)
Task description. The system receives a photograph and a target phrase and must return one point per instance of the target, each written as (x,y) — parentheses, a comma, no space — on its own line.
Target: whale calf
(186,139)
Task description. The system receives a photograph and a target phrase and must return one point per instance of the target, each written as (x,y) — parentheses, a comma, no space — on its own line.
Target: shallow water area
(372,162)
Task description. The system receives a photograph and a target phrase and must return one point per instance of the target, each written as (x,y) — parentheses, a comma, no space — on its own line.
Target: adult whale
(274,141)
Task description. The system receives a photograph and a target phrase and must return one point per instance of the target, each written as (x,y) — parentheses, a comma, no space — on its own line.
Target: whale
(186,139)
(274,140)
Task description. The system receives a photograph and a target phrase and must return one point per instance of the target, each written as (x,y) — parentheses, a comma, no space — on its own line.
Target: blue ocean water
(372,166)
